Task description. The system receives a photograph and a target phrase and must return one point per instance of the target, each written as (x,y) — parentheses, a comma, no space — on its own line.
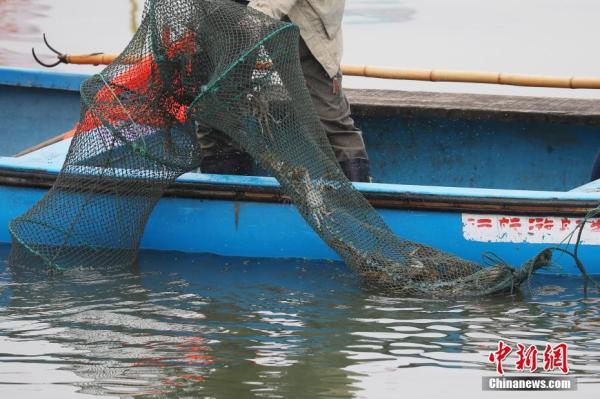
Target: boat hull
(421,144)
(276,230)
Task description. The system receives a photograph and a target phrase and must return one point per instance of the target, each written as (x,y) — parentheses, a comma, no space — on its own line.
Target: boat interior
(490,149)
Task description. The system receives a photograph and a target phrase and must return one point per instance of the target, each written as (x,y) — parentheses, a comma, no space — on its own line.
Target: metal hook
(61,56)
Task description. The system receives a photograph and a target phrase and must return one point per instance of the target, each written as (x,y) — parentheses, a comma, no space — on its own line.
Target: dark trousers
(596,168)
(330,104)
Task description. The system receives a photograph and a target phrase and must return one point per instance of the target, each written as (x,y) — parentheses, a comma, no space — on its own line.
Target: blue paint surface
(44,79)
(481,153)
(276,230)
(31,115)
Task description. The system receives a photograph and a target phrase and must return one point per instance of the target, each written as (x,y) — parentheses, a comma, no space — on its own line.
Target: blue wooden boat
(468,174)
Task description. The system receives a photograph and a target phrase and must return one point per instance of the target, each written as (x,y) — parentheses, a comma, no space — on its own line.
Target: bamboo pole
(434,75)
(89,59)
(429,75)
(46,143)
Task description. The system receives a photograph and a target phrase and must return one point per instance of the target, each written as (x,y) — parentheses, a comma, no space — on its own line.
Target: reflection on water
(18,25)
(211,326)
(369,12)
(82,26)
(17,18)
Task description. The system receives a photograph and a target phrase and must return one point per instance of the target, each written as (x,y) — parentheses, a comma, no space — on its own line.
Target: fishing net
(219,65)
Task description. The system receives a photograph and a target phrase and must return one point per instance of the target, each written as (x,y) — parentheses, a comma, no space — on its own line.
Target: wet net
(219,65)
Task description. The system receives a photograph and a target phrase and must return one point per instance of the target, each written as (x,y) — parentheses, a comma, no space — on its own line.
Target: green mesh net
(220,65)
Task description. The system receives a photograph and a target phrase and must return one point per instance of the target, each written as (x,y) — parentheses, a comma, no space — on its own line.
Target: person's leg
(333,110)
(220,155)
(596,168)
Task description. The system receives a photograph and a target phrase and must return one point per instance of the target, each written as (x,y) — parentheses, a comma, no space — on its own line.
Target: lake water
(205,326)
(548,37)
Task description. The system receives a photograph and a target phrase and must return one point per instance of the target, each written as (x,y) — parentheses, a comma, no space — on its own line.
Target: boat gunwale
(213,189)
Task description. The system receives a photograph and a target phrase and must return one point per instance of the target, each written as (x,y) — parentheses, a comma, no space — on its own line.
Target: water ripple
(259,328)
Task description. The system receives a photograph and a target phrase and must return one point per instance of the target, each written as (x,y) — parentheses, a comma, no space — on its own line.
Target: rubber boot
(596,169)
(227,164)
(356,170)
